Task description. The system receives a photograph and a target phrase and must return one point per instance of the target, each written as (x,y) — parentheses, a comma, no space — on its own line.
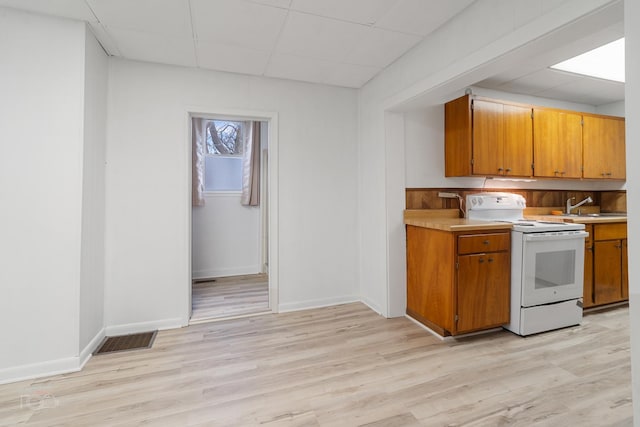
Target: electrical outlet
(446,195)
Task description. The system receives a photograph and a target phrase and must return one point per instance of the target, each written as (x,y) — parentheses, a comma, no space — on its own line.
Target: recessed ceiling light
(604,62)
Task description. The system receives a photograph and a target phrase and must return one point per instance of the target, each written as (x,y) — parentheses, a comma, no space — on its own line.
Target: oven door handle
(555,236)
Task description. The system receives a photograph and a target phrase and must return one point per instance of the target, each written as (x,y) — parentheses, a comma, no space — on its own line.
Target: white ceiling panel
(338,42)
(293,67)
(238,22)
(349,75)
(586,90)
(166,17)
(378,48)
(298,68)
(283,4)
(154,48)
(366,12)
(317,37)
(537,81)
(421,17)
(224,57)
(73,9)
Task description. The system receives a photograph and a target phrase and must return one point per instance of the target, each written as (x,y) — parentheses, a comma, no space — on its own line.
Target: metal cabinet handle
(485,242)
(490,259)
(508,170)
(500,169)
(481,260)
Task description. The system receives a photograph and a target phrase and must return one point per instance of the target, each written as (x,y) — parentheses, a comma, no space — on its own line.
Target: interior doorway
(230,268)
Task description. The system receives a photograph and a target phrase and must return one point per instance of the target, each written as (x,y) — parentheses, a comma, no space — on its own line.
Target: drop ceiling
(336,42)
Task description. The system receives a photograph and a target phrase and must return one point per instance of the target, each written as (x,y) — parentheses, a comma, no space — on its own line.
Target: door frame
(270,196)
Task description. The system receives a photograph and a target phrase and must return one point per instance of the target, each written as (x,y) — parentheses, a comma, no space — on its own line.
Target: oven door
(552,267)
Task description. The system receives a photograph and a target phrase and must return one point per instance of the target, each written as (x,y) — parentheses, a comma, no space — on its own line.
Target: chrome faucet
(569,206)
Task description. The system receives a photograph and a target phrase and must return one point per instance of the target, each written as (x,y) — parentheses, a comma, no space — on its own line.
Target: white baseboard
(317,303)
(134,328)
(87,352)
(40,369)
(225,272)
(372,306)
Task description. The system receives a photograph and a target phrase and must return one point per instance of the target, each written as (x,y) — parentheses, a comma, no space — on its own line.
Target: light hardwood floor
(344,366)
(229,297)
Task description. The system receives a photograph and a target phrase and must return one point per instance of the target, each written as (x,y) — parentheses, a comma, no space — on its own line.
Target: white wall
(41,157)
(148,189)
(226,238)
(463,51)
(93,196)
(612,109)
(632,107)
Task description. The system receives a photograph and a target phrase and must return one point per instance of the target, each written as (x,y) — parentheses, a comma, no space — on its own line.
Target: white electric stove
(547,264)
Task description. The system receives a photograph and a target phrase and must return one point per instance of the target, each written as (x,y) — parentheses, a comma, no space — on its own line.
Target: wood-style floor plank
(230,297)
(343,366)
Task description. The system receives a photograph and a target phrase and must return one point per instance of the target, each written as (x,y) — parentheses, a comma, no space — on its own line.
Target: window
(223,157)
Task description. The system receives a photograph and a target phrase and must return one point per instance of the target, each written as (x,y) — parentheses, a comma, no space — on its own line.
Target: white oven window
(555,269)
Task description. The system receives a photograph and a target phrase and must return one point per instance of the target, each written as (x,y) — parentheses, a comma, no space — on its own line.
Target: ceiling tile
(284,4)
(74,9)
(348,75)
(420,16)
(586,90)
(319,71)
(154,48)
(379,48)
(317,37)
(293,67)
(360,11)
(225,57)
(238,22)
(537,81)
(167,17)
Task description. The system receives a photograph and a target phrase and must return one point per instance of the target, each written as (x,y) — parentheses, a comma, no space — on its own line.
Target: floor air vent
(127,342)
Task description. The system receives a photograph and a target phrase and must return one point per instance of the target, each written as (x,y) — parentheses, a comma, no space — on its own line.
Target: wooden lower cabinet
(483,298)
(458,282)
(605,279)
(587,297)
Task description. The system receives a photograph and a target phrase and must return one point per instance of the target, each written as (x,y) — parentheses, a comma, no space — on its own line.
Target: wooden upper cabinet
(557,143)
(518,140)
(487,137)
(457,137)
(604,147)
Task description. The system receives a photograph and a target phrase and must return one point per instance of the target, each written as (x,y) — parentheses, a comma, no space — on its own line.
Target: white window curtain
(198,141)
(251,165)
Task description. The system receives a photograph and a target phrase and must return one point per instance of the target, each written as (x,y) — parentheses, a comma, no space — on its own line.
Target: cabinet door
(518,141)
(603,148)
(587,297)
(625,271)
(488,138)
(607,271)
(483,290)
(557,144)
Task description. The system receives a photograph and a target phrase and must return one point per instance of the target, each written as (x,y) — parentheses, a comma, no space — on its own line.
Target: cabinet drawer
(613,231)
(476,243)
